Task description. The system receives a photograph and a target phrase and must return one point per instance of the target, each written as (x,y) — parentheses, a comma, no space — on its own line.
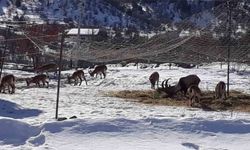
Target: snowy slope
(26,118)
(140,14)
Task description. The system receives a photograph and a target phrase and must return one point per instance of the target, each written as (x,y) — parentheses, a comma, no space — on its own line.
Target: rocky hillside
(119,13)
(142,14)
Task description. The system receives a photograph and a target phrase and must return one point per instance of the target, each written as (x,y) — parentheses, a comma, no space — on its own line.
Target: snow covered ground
(27,117)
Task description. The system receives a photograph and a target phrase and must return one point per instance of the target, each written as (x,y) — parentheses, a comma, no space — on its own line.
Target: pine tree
(18,3)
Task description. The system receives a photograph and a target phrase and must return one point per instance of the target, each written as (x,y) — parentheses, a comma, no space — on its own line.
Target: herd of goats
(8,81)
(188,85)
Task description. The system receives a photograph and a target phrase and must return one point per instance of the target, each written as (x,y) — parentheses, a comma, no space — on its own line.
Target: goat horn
(162,84)
(166,84)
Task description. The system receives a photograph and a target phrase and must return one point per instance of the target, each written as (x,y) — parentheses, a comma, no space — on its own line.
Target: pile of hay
(237,101)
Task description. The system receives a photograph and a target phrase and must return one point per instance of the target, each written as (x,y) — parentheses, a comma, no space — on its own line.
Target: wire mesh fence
(191,42)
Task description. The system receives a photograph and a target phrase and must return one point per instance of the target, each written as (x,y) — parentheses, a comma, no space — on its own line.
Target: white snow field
(109,123)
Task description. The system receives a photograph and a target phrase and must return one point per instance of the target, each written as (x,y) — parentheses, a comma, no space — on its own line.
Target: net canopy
(194,40)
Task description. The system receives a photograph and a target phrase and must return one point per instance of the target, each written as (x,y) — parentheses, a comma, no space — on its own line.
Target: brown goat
(194,94)
(9,82)
(182,86)
(101,69)
(154,78)
(78,74)
(36,79)
(220,90)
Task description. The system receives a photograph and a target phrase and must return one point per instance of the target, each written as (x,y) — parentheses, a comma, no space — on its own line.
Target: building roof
(83,31)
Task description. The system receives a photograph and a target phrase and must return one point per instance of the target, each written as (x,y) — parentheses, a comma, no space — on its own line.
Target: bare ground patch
(237,101)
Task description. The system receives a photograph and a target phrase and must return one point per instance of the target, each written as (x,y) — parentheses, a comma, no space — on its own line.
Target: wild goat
(220,90)
(9,82)
(36,79)
(101,69)
(154,78)
(183,84)
(194,94)
(78,74)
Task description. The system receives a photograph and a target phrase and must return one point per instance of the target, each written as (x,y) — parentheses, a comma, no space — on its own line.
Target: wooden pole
(59,75)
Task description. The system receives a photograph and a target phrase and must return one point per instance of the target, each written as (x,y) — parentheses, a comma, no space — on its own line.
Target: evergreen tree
(18,3)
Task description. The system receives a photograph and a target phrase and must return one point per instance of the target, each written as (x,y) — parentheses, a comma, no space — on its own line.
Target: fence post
(4,51)
(59,75)
(229,40)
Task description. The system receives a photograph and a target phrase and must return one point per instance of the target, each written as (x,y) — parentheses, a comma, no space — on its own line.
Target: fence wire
(190,43)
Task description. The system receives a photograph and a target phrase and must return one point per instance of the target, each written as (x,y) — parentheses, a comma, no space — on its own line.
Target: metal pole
(79,27)
(2,59)
(229,42)
(79,22)
(59,75)
(4,51)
